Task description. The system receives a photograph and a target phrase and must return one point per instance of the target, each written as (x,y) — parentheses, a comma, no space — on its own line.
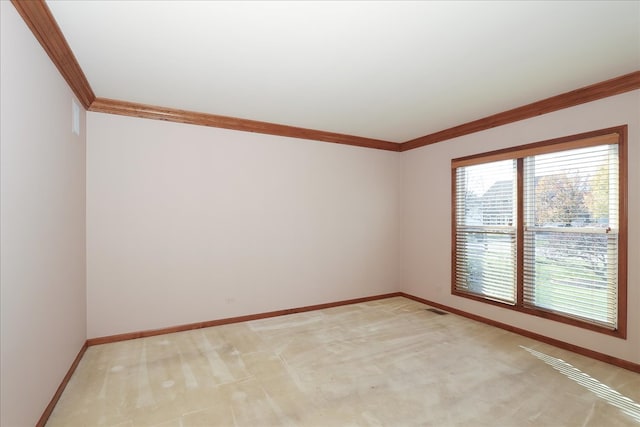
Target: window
(541,229)
(486,232)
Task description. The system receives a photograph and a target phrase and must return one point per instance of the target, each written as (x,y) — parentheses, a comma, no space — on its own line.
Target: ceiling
(392,70)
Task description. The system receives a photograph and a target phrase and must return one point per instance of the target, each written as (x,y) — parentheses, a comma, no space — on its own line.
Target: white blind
(571,233)
(485,230)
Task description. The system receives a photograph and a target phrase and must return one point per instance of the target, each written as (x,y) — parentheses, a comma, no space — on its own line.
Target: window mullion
(520,233)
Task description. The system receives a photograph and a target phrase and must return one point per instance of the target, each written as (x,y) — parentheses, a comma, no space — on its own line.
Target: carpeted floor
(382,363)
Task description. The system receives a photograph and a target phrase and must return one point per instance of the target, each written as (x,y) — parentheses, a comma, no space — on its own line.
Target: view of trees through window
(560,199)
(573,197)
(570,230)
(570,235)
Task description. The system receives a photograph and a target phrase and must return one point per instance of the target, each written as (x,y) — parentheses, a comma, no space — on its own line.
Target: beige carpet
(382,363)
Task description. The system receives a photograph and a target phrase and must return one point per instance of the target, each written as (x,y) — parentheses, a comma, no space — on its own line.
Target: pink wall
(43,296)
(425,192)
(188,223)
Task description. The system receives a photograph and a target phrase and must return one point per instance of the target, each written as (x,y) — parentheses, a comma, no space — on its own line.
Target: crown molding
(615,86)
(40,20)
(38,17)
(44,27)
(124,108)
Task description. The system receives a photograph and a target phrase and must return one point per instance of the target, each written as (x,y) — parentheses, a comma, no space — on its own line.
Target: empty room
(320,213)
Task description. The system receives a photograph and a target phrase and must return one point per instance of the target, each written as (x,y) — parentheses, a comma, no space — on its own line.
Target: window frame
(518,153)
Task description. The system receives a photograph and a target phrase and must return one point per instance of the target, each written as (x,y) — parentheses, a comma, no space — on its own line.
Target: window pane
(486,264)
(572,273)
(485,194)
(485,230)
(571,226)
(574,188)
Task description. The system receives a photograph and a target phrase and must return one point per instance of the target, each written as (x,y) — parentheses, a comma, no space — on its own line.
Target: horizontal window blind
(485,231)
(542,227)
(571,222)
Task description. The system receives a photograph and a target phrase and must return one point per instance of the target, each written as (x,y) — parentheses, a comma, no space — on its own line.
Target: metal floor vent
(436,311)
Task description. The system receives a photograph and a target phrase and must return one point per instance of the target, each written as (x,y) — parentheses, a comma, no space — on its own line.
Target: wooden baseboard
(49,409)
(631,366)
(635,367)
(226,321)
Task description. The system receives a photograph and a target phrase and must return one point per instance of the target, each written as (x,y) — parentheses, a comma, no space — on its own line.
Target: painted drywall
(426,216)
(42,244)
(188,223)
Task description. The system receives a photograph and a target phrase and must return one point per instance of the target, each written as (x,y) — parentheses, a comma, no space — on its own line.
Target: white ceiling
(386,70)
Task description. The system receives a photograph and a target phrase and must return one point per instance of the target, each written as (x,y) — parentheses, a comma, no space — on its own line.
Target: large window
(541,229)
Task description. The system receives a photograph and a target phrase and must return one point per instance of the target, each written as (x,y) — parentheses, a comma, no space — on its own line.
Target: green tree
(597,198)
(560,200)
